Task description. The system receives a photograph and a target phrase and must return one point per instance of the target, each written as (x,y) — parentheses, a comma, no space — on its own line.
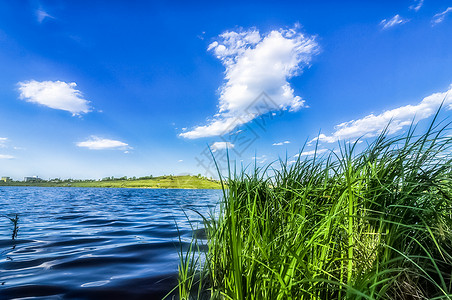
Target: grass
(370,224)
(164,182)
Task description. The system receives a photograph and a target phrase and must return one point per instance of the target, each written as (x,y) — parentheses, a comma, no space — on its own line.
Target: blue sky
(90,89)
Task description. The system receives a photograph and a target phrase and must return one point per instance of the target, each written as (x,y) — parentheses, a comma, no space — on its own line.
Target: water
(89,243)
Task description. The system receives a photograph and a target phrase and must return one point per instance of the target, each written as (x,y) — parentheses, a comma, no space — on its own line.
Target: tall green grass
(369,224)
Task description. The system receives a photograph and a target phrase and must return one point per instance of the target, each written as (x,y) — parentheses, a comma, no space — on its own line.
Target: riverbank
(161,182)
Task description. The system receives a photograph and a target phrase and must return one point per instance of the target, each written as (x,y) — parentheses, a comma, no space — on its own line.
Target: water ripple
(77,243)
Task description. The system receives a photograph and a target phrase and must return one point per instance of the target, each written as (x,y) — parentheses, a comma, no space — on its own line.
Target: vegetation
(166,182)
(370,225)
(14,220)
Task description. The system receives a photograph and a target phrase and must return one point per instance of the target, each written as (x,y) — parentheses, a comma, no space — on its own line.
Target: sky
(90,89)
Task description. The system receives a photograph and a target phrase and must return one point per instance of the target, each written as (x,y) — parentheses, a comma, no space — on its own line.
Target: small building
(6,179)
(32,179)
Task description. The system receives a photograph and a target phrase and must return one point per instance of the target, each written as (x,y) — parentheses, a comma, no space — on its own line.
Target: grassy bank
(370,225)
(163,182)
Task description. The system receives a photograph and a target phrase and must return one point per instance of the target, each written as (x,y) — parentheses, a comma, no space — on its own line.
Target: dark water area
(90,243)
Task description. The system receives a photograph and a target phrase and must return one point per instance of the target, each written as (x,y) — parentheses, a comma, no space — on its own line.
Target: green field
(162,182)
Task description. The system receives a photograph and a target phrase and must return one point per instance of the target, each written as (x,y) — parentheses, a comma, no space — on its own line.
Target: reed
(369,224)
(15,221)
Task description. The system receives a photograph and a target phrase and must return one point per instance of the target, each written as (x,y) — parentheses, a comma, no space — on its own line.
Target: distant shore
(161,182)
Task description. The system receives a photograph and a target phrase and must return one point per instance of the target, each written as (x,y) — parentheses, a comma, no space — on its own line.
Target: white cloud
(3,141)
(221,146)
(42,15)
(6,156)
(255,64)
(372,125)
(417,5)
(260,159)
(439,17)
(180,160)
(97,143)
(396,20)
(312,152)
(281,143)
(55,94)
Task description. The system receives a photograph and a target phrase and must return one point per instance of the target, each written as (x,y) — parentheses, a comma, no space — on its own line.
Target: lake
(96,243)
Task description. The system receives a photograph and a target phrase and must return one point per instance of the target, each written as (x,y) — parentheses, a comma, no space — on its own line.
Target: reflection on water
(80,243)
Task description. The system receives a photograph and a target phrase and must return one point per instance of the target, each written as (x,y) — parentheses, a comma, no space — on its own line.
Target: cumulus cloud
(6,156)
(439,17)
(416,5)
(281,143)
(372,125)
(221,146)
(396,20)
(54,94)
(258,67)
(97,143)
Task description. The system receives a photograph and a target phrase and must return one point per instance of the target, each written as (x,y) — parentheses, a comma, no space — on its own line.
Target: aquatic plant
(369,224)
(189,266)
(15,221)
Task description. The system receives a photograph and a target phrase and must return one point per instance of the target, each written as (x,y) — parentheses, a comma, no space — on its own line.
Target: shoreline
(162,182)
(114,187)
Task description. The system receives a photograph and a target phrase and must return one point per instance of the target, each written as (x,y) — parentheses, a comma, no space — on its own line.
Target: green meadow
(163,182)
(369,224)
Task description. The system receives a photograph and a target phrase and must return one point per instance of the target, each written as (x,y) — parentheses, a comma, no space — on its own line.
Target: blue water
(93,243)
